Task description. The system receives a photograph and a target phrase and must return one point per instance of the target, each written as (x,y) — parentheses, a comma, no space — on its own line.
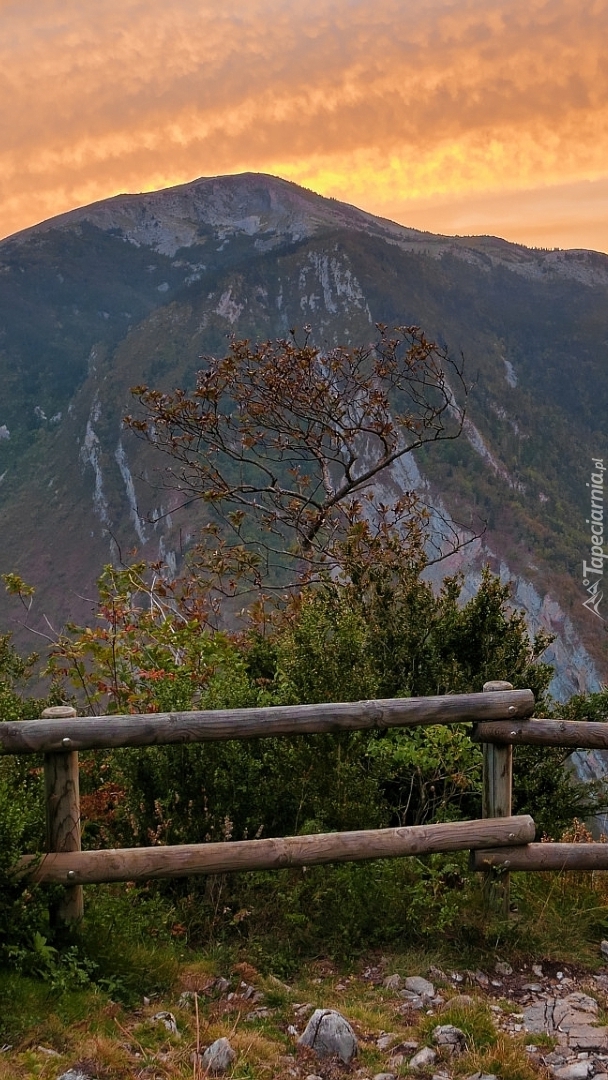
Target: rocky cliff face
(134,289)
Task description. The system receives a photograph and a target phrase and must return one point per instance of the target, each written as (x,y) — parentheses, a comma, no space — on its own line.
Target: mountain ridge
(101,299)
(120,208)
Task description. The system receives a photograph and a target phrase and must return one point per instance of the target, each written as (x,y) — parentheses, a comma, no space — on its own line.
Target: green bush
(23,909)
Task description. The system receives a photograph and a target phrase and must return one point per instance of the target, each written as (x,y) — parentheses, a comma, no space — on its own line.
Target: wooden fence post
(496,801)
(62,798)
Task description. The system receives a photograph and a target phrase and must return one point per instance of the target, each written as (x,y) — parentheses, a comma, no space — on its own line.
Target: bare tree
(298,440)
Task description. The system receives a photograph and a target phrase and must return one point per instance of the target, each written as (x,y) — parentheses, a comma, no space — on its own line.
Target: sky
(456,116)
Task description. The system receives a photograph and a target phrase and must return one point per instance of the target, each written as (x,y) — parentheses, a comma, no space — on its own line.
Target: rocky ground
(507,1023)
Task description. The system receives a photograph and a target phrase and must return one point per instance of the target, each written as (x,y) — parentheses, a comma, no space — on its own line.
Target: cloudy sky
(457,116)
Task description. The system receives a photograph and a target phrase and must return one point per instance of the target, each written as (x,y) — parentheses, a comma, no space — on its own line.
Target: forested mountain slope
(134,289)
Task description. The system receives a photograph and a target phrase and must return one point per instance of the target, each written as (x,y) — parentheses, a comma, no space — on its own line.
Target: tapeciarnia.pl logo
(593,571)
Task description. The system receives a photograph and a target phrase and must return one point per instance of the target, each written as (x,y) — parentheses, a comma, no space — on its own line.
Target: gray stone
(503,969)
(449,1037)
(425,1057)
(604,948)
(482,1076)
(258,1014)
(393,982)
(585,1037)
(417,985)
(76,1074)
(583,1002)
(460,1001)
(384,1076)
(414,1001)
(554,1058)
(328,1033)
(538,1018)
(384,1042)
(218,1057)
(437,973)
(167,1019)
(408,1047)
(578,1070)
(569,1019)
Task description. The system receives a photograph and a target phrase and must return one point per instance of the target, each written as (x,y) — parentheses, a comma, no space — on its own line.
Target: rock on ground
(578,1070)
(329,1034)
(218,1057)
(420,986)
(424,1058)
(450,1037)
(75,1074)
(168,1021)
(570,1019)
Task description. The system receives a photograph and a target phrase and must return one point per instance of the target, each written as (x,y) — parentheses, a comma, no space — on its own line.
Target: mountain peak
(275,211)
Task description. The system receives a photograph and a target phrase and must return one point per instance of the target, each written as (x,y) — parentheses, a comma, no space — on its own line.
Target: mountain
(134,289)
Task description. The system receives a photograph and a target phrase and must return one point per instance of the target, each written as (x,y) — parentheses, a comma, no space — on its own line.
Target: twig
(131,1037)
(197,1056)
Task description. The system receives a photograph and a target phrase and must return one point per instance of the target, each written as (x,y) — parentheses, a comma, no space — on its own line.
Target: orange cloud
(399,106)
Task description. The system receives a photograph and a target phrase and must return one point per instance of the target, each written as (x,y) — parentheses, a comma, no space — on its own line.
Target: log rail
(275,853)
(154,729)
(499,842)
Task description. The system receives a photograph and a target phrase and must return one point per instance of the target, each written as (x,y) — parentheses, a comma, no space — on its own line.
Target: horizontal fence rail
(575,734)
(543,857)
(154,729)
(499,842)
(137,864)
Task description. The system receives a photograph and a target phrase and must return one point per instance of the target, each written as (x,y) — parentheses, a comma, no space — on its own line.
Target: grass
(94,1002)
(475,1021)
(126,1042)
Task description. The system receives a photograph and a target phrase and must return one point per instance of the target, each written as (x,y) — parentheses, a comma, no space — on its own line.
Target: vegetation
(362,623)
(294,440)
(95,1005)
(390,635)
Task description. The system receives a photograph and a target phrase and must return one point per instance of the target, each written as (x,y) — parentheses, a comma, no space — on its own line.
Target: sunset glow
(456,116)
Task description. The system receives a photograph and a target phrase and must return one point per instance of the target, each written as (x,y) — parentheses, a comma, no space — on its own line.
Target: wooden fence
(499,842)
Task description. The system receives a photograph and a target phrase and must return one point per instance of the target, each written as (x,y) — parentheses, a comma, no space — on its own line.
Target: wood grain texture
(582,734)
(543,857)
(497,769)
(62,805)
(105,732)
(496,801)
(139,864)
